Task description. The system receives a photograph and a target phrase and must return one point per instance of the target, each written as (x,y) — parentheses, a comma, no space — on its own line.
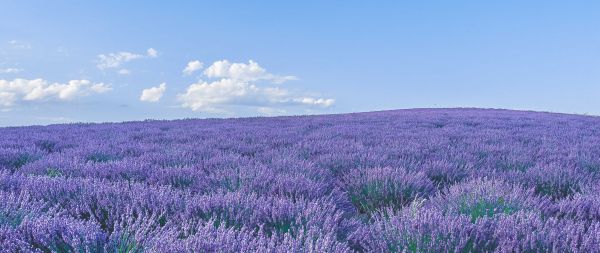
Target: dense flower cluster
(423,180)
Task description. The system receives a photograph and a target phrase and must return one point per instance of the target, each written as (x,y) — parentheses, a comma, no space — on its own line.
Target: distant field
(422,180)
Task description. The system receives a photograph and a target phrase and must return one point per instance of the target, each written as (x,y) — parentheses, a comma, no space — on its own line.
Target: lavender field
(422,180)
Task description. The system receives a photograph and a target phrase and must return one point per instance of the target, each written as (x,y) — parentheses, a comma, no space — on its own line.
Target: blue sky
(78,61)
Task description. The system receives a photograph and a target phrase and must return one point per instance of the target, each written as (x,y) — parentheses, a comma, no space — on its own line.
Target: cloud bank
(39,90)
(244,84)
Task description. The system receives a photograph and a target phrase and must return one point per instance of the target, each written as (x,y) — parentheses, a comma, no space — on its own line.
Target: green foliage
(53,172)
(486,208)
(11,218)
(125,243)
(557,190)
(372,196)
(20,161)
(47,146)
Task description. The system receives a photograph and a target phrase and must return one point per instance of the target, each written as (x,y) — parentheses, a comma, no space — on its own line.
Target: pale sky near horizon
(110,61)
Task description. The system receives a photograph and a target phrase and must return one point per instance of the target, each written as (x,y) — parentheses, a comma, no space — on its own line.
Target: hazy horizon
(296,115)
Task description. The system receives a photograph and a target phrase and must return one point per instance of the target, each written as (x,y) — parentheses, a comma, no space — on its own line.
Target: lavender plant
(422,180)
(373,189)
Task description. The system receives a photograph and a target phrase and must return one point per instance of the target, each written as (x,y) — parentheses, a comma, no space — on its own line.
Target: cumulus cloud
(152,53)
(205,96)
(10,71)
(239,84)
(7,98)
(115,60)
(153,94)
(192,67)
(243,72)
(17,90)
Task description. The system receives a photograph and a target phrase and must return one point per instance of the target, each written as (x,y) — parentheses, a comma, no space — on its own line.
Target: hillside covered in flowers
(421,180)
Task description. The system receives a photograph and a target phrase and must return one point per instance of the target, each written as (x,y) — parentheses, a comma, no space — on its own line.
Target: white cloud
(247,85)
(316,101)
(10,71)
(217,96)
(243,72)
(124,72)
(192,67)
(152,53)
(7,98)
(115,60)
(205,96)
(153,94)
(99,87)
(17,90)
